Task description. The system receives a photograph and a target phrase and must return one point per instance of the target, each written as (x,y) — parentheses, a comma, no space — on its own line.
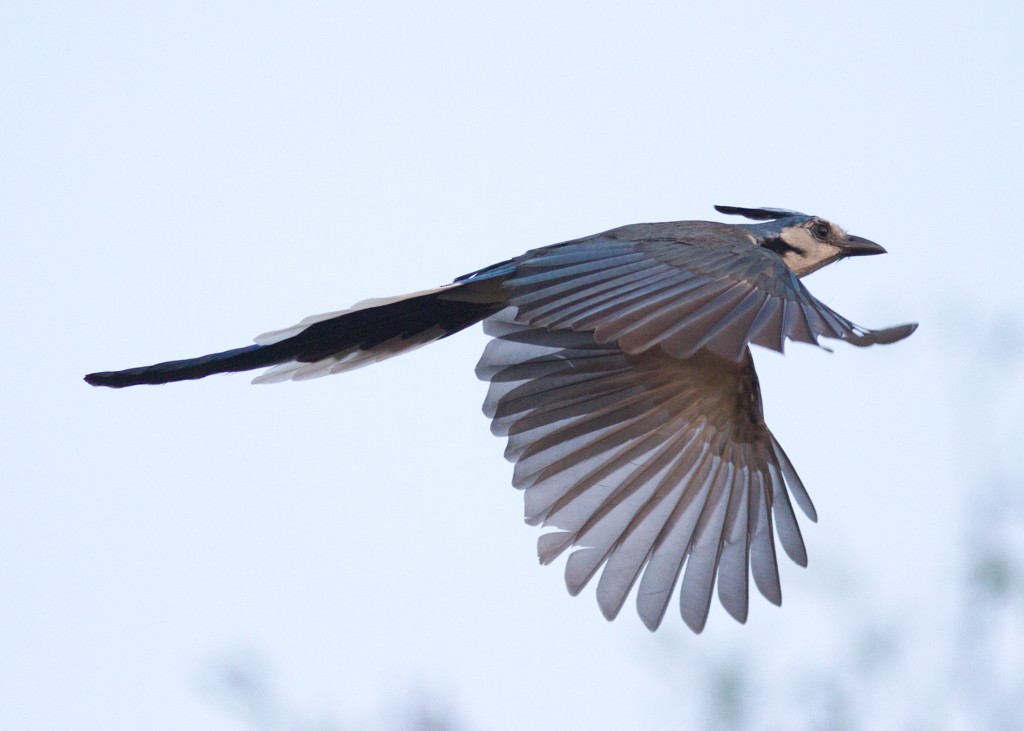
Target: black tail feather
(360,328)
(230,361)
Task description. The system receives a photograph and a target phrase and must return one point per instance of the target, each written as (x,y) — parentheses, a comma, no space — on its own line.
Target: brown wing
(682,286)
(644,463)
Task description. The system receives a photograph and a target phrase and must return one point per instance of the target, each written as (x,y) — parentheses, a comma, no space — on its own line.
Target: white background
(347,553)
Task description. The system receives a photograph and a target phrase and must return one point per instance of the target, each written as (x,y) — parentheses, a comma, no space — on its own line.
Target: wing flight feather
(649,468)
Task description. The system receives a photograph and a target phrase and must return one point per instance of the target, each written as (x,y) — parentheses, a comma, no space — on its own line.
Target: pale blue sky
(178,178)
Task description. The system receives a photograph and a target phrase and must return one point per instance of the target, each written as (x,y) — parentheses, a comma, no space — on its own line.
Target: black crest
(758,214)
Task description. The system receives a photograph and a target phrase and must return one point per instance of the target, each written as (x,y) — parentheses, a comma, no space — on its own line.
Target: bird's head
(805,243)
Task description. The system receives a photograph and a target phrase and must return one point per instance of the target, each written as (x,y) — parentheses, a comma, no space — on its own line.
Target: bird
(621,374)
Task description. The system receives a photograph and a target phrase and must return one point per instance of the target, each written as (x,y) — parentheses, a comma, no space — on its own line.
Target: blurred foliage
(243,685)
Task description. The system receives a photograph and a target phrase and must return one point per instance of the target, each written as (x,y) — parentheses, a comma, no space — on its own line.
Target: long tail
(368,332)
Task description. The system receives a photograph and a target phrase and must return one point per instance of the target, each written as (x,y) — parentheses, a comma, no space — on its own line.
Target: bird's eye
(821,230)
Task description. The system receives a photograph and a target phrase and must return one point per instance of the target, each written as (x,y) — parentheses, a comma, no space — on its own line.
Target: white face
(813,244)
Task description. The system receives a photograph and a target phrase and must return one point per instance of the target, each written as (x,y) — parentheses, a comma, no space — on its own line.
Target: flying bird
(620,371)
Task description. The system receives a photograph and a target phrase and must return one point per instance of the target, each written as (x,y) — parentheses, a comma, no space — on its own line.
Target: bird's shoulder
(707,234)
(682,244)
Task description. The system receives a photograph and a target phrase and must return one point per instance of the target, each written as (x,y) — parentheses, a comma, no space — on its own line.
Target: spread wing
(648,465)
(683,294)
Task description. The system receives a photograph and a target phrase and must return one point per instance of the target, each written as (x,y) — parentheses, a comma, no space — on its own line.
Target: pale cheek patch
(812,254)
(800,238)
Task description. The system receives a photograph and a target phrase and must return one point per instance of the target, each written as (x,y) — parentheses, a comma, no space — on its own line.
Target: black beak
(856,246)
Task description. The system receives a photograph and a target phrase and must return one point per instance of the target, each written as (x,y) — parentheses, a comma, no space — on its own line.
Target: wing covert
(714,289)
